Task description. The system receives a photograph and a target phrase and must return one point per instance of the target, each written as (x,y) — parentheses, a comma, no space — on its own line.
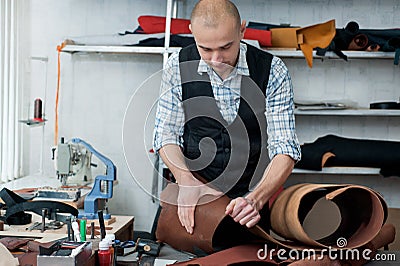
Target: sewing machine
(73,161)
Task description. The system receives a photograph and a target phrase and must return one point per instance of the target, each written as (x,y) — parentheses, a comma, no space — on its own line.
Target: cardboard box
(78,259)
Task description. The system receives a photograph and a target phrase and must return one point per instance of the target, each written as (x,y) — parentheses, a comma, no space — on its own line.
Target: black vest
(232,157)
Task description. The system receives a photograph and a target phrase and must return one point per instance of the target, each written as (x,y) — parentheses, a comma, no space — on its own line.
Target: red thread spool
(37,112)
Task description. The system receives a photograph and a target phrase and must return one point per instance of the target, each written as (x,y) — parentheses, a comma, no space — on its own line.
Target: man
(224,140)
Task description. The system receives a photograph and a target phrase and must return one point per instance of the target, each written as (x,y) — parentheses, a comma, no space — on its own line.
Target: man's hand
(190,191)
(243,211)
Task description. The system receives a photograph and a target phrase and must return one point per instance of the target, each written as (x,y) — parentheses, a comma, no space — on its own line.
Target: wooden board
(106,222)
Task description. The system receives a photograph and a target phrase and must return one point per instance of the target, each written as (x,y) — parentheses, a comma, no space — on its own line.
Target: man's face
(219,46)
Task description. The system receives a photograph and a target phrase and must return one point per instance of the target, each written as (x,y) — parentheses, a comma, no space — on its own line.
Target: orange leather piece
(319,35)
(307,38)
(284,37)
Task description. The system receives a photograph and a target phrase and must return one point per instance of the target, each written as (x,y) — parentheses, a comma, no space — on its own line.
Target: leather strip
(16,205)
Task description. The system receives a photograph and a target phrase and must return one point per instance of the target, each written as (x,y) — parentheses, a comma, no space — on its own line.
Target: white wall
(96,88)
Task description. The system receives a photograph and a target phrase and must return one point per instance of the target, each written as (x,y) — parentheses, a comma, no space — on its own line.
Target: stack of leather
(21,251)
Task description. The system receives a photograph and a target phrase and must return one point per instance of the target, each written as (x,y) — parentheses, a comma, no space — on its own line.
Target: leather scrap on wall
(363,212)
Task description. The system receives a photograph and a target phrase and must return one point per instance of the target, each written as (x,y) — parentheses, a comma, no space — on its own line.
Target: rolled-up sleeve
(282,138)
(169,121)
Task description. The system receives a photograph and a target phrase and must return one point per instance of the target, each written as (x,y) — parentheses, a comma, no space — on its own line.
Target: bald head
(210,13)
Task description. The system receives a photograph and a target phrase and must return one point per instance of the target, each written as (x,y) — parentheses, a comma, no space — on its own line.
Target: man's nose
(216,57)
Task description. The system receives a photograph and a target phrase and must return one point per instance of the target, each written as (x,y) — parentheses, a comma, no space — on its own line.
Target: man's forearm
(172,156)
(275,175)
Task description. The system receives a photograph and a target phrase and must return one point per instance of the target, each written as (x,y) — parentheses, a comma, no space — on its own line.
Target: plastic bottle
(111,241)
(104,253)
(82,228)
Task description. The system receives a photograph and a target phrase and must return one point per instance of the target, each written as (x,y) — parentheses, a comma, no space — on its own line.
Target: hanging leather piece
(307,38)
(319,35)
(362,215)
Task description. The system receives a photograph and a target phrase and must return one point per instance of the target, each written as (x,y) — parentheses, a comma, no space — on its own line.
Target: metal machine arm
(98,193)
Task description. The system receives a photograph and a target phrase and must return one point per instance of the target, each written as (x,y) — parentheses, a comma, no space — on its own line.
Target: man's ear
(242,29)
(190,28)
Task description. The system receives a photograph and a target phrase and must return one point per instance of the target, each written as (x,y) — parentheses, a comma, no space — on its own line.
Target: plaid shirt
(170,119)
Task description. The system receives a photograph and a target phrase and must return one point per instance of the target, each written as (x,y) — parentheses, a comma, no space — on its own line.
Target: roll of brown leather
(359,211)
(359,42)
(362,213)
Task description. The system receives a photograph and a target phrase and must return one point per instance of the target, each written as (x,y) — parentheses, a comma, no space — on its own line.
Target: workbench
(122,228)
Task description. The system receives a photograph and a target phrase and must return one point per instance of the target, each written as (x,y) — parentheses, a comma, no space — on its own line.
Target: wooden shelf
(161,50)
(340,171)
(348,112)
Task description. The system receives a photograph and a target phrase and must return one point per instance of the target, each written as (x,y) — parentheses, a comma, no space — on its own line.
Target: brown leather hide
(213,229)
(363,213)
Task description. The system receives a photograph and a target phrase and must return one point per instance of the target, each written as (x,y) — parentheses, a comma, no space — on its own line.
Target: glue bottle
(104,253)
(111,243)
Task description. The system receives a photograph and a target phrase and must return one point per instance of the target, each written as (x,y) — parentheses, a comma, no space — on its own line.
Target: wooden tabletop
(122,228)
